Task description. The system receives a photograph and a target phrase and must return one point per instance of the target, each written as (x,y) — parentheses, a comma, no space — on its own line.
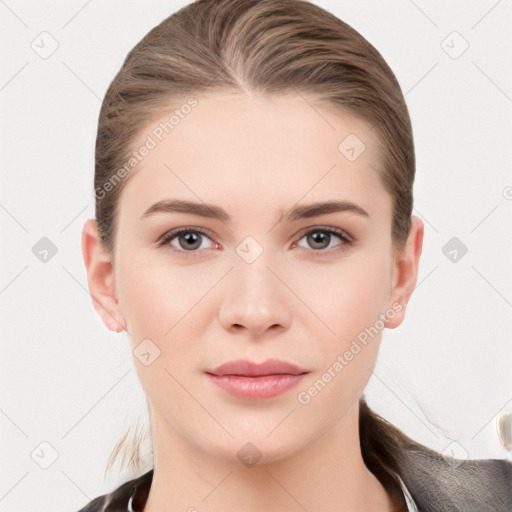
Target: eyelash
(173,233)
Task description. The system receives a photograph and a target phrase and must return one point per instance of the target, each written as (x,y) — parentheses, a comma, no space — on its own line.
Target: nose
(255,298)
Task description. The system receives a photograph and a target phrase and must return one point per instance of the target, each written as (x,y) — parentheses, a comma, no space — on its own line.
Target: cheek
(154,296)
(350,305)
(166,303)
(160,304)
(348,297)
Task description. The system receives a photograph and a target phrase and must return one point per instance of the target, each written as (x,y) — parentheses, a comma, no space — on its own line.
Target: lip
(246,368)
(256,381)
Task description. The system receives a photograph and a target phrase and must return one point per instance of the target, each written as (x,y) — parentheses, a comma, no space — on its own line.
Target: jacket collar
(140,492)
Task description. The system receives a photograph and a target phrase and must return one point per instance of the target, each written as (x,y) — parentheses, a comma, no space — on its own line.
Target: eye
(186,239)
(320,238)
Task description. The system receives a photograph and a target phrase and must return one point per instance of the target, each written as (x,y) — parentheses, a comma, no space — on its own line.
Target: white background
(69,382)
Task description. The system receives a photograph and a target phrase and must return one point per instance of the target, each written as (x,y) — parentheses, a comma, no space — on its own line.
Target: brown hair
(264,47)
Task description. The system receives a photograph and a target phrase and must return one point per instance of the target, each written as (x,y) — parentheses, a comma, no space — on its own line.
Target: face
(266,278)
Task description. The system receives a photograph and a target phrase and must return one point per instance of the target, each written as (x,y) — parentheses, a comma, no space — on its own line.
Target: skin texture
(254,156)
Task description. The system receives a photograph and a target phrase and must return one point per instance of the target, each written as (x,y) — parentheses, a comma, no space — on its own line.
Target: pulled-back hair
(263,47)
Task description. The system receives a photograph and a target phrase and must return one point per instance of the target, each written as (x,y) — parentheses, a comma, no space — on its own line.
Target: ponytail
(436,482)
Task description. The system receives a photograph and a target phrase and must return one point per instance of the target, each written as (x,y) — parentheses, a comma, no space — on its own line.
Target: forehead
(253,150)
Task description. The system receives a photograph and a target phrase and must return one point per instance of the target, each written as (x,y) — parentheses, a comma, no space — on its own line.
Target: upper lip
(248,368)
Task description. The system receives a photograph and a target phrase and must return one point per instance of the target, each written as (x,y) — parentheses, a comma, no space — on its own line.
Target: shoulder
(117,500)
(440,483)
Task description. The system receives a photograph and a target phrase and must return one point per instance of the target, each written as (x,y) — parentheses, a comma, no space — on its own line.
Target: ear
(100,278)
(405,272)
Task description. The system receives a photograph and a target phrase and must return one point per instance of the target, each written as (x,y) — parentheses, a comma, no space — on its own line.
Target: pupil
(320,236)
(190,240)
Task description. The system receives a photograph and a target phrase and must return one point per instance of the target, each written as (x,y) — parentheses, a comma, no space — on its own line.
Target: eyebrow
(216,212)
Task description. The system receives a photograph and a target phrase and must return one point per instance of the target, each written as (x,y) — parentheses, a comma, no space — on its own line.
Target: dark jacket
(482,486)
(117,501)
(436,483)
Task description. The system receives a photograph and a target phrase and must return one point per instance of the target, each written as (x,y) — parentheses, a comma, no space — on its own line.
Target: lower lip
(255,388)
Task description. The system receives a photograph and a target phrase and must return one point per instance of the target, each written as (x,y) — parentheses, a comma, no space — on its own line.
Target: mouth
(255,381)
(246,368)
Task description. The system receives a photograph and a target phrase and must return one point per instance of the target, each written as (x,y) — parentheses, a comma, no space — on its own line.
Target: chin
(250,448)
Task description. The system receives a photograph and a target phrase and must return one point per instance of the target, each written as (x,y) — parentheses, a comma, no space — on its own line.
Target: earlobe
(405,273)
(100,278)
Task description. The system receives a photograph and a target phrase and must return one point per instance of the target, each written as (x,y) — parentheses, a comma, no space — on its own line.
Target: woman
(253,235)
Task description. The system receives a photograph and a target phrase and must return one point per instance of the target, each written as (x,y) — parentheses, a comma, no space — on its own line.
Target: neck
(328,474)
